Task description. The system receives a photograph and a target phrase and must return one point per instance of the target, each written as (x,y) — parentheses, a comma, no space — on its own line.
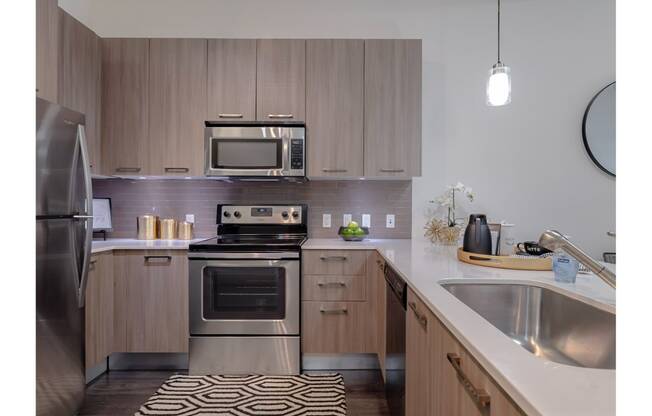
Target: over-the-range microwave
(255,149)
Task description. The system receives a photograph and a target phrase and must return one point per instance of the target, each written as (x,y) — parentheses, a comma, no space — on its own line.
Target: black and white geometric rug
(302,395)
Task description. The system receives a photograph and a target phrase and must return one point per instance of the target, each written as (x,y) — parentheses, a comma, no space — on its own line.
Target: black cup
(532,248)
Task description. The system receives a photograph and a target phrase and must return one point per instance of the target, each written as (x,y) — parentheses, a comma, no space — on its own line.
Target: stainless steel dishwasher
(395,342)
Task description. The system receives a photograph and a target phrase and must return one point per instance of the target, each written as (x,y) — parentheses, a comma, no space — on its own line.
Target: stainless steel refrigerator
(64,235)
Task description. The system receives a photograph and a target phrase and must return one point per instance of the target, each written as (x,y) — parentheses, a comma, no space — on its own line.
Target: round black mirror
(599,129)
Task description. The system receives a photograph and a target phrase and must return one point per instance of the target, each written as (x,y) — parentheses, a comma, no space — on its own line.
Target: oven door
(244,297)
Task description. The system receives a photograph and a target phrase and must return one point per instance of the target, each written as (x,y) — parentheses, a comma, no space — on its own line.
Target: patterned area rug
(302,395)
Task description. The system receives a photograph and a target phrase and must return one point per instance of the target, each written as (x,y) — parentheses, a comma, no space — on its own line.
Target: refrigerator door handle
(88,217)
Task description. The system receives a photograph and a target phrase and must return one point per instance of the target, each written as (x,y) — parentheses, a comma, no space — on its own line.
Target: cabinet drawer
(334,288)
(335,327)
(334,262)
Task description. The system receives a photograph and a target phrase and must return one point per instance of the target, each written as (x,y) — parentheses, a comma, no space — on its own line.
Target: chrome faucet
(553,240)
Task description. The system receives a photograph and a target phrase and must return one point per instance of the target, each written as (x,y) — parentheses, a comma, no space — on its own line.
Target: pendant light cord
(499,31)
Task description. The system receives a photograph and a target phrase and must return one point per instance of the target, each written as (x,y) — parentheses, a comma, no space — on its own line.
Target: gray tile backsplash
(175,198)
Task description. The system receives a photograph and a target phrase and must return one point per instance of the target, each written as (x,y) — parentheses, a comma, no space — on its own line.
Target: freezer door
(57,155)
(59,320)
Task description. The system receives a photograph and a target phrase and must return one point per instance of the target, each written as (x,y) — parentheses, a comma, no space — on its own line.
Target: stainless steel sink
(548,324)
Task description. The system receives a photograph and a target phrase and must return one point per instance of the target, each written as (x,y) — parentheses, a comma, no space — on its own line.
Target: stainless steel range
(245,292)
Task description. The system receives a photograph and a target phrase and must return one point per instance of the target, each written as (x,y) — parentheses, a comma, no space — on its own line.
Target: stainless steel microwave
(255,149)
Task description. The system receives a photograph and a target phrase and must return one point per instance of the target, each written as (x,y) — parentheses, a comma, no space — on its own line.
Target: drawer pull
(153,259)
(392,170)
(333,311)
(280,116)
(127,170)
(423,321)
(334,170)
(326,284)
(479,396)
(333,258)
(177,170)
(229,115)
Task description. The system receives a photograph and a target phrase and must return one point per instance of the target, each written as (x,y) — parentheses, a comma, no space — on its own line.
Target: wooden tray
(504,262)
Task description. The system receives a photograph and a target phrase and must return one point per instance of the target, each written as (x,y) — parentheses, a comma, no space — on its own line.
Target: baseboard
(96,371)
(148,361)
(340,362)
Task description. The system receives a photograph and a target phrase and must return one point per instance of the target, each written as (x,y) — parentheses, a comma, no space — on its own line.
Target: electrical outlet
(190,218)
(326,221)
(390,221)
(346,219)
(366,220)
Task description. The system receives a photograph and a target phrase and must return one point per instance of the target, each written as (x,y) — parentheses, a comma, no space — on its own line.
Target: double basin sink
(548,324)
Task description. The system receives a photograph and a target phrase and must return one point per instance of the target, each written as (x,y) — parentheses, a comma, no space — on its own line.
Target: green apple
(346,232)
(359,232)
(353,225)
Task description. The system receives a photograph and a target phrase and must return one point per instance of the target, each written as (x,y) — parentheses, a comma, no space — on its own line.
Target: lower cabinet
(151,301)
(442,378)
(99,309)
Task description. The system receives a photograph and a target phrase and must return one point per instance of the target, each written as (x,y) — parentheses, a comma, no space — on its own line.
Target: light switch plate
(326,221)
(346,219)
(190,218)
(390,221)
(366,220)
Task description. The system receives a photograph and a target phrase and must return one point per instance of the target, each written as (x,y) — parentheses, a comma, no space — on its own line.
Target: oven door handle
(244,263)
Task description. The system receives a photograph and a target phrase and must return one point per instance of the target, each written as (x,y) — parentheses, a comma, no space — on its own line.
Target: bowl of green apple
(353,232)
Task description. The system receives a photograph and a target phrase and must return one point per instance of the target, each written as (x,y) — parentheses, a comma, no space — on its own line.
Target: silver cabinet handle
(380,264)
(423,321)
(611,233)
(152,259)
(326,284)
(333,311)
(229,115)
(280,116)
(177,170)
(333,258)
(479,396)
(127,170)
(334,170)
(82,217)
(392,170)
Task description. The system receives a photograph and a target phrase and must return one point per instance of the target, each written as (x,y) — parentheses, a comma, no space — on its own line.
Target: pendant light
(499,84)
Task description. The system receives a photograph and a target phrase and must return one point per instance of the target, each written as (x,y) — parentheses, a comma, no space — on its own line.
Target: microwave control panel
(296,154)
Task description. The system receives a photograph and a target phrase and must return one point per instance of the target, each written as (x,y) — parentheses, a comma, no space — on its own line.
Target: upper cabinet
(125,105)
(392,114)
(177,106)
(232,79)
(335,107)
(281,79)
(47,49)
(79,81)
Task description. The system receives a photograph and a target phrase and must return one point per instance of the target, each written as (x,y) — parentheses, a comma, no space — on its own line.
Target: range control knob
(237,214)
(284,214)
(226,214)
(295,214)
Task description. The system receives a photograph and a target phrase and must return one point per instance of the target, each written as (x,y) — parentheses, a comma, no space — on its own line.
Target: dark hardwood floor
(120,393)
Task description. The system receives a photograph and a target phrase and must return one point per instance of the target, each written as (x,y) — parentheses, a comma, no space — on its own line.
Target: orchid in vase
(448,231)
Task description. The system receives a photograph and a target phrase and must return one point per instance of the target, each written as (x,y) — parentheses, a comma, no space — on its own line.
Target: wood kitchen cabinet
(392,112)
(232,79)
(335,107)
(79,81)
(375,272)
(281,79)
(99,309)
(417,358)
(47,49)
(177,106)
(151,301)
(125,106)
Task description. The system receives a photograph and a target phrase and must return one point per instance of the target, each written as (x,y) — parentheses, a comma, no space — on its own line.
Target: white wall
(526,161)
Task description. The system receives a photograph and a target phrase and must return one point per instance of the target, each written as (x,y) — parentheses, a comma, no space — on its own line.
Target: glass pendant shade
(499,85)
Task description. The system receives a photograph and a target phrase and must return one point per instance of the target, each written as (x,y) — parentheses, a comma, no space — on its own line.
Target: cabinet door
(281,79)
(47,49)
(232,79)
(80,79)
(375,273)
(417,358)
(177,106)
(125,104)
(335,328)
(335,107)
(99,309)
(392,136)
(151,301)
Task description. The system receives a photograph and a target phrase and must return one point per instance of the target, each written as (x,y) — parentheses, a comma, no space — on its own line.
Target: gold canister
(185,230)
(147,227)
(168,229)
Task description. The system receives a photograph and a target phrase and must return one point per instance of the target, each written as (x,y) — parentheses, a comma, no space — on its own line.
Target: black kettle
(477,237)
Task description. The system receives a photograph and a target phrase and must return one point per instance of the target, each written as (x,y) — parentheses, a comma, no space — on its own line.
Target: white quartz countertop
(539,387)
(133,244)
